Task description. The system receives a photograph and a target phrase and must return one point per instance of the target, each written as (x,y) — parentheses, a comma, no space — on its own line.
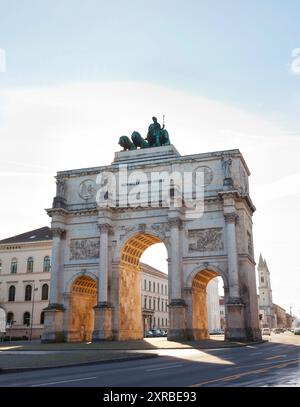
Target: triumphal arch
(104,218)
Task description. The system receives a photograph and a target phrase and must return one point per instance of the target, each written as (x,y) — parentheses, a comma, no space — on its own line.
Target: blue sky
(220,70)
(235,51)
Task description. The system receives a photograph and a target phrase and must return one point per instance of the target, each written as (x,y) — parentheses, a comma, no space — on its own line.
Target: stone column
(175,224)
(54,313)
(103,310)
(56,270)
(234,290)
(235,329)
(177,306)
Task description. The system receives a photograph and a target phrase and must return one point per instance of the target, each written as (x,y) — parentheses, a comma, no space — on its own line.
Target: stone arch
(129,309)
(82,299)
(157,233)
(210,268)
(196,286)
(77,275)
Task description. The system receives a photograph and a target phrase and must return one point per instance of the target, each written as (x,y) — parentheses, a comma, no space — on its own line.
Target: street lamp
(32,311)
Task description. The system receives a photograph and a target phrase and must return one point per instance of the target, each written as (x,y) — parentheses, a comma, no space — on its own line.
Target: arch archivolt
(77,276)
(205,273)
(146,236)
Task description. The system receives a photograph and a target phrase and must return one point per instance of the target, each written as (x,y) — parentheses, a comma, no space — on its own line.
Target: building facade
(25,262)
(97,246)
(265,299)
(154,288)
(213,305)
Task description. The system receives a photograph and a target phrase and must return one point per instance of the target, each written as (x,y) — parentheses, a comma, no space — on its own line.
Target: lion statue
(164,138)
(126,143)
(138,140)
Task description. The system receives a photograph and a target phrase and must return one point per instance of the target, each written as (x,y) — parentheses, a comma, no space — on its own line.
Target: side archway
(196,287)
(83,298)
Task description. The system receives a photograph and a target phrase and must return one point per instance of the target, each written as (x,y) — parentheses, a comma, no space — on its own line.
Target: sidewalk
(16,356)
(144,344)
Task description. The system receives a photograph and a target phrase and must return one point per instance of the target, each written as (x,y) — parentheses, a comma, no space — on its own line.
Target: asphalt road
(276,363)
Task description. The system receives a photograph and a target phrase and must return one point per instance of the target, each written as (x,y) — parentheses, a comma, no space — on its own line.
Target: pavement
(274,363)
(20,356)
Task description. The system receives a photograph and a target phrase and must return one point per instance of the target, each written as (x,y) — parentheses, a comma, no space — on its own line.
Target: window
(149,303)
(158,304)
(28,292)
(154,304)
(29,265)
(145,302)
(162,289)
(10,318)
(149,285)
(262,279)
(166,292)
(26,318)
(47,264)
(158,322)
(11,293)
(153,287)
(145,285)
(45,291)
(14,266)
(42,318)
(0,266)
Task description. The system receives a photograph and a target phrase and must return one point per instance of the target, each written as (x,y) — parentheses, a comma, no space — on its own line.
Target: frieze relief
(84,248)
(205,240)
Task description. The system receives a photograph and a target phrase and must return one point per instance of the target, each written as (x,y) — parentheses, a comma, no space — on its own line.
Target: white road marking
(165,367)
(62,381)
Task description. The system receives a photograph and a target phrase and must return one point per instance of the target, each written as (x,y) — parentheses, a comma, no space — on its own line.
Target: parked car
(149,334)
(266,331)
(297,331)
(277,331)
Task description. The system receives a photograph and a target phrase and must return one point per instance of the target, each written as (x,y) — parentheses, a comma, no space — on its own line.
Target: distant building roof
(44,233)
(145,268)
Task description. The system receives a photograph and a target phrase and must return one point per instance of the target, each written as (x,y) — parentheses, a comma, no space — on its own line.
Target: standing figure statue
(226,166)
(154,133)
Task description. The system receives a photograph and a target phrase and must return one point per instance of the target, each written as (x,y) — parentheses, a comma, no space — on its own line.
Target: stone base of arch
(53,325)
(235,330)
(178,320)
(103,322)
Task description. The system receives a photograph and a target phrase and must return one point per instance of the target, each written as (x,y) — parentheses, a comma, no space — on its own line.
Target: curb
(125,359)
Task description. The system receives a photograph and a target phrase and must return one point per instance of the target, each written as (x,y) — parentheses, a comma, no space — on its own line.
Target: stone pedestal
(53,326)
(103,322)
(178,320)
(235,324)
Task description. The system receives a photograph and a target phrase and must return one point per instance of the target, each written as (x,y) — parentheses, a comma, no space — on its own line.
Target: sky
(226,75)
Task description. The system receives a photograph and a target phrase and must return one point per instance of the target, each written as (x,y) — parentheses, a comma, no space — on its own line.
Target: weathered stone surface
(203,240)
(225,227)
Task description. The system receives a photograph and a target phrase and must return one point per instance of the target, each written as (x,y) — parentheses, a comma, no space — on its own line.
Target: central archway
(83,298)
(130,315)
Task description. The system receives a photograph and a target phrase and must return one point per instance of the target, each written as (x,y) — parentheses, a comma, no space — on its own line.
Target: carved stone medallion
(208,174)
(87,189)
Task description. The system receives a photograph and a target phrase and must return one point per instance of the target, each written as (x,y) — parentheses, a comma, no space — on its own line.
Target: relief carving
(203,240)
(84,248)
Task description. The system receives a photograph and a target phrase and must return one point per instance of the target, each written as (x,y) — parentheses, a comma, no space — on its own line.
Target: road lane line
(250,372)
(63,381)
(275,357)
(162,368)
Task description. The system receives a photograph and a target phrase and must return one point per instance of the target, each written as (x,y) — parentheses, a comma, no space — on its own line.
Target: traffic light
(260,316)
